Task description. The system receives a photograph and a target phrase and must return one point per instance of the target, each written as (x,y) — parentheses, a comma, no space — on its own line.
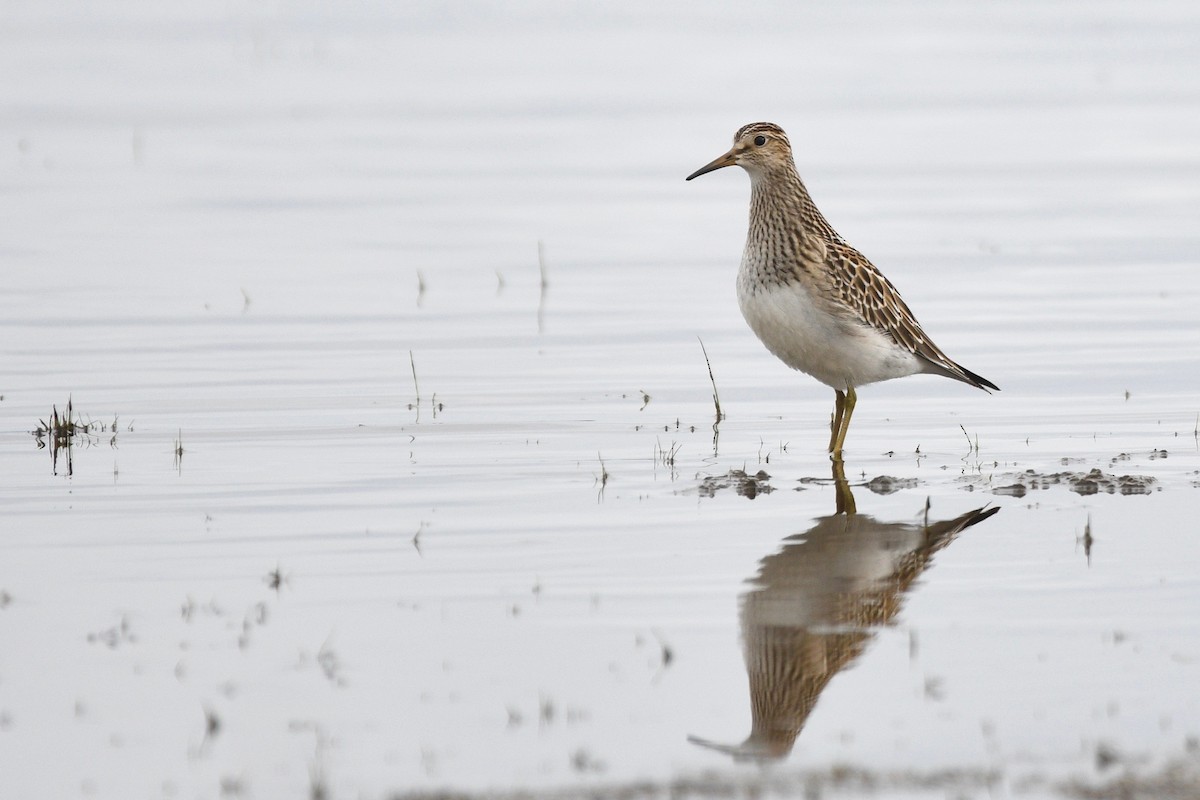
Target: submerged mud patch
(1178,778)
(740,481)
(1094,481)
(880,484)
(842,780)
(886,484)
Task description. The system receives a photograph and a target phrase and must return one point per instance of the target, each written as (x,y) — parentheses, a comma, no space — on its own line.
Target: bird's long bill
(727,160)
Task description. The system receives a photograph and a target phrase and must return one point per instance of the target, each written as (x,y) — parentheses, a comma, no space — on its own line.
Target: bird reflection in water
(815,605)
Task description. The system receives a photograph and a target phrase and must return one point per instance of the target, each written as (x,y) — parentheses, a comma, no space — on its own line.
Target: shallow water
(239,233)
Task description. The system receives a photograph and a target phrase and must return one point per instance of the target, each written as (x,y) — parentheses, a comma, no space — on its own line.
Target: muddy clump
(1094,481)
(749,486)
(886,484)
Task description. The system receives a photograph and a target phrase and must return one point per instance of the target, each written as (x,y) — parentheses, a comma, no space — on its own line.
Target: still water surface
(277,561)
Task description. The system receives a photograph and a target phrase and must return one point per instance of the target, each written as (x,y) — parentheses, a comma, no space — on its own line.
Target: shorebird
(817,303)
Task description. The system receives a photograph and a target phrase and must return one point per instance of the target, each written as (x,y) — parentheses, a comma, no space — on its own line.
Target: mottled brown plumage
(816,302)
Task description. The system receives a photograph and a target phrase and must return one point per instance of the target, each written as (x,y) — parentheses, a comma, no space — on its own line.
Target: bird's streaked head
(758,148)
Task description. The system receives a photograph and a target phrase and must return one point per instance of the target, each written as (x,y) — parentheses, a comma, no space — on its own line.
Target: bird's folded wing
(864,289)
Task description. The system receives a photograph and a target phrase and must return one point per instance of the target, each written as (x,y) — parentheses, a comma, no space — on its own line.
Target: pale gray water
(213,225)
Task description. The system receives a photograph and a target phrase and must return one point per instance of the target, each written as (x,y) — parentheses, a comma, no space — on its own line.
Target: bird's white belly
(839,352)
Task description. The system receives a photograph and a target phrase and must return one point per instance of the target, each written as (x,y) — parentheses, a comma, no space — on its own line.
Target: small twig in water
(603,479)
(716,399)
(416,386)
(667,457)
(973,446)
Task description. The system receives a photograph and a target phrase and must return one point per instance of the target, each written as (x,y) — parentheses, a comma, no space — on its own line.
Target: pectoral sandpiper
(817,303)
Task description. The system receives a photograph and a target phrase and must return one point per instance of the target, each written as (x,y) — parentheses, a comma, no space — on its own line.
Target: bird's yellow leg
(847,412)
(835,424)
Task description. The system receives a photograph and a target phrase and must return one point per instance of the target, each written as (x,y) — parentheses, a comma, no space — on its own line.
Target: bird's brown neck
(781,197)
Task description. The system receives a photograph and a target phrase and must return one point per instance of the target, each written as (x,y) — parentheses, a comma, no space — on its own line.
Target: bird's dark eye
(760,140)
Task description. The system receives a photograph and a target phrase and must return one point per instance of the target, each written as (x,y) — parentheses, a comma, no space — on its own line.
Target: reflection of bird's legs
(845,498)
(843,409)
